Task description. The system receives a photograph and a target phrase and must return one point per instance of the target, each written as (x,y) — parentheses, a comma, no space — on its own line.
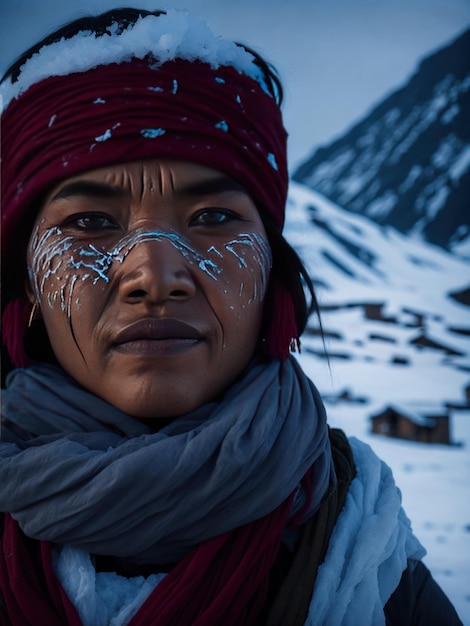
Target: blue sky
(337,58)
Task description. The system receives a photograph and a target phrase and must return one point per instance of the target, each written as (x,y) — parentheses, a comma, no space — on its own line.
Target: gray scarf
(75,470)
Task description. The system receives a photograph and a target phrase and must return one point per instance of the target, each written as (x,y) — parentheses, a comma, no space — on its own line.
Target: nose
(154,272)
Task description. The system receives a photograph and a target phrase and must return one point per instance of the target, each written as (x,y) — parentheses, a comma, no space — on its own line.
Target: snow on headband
(168,36)
(163,87)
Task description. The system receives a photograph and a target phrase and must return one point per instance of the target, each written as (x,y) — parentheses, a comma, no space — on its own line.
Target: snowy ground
(403,275)
(433,479)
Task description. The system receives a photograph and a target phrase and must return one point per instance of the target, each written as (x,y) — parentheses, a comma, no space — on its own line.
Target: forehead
(156,175)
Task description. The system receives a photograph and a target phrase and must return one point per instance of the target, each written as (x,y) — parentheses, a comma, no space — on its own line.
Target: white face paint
(175,251)
(57,262)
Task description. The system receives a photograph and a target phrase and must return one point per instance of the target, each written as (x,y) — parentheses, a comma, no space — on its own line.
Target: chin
(165,412)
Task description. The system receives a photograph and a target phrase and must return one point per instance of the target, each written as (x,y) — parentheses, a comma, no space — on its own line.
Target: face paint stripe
(48,261)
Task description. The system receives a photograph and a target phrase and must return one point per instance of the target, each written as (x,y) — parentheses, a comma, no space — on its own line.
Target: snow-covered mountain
(407,162)
(394,334)
(386,298)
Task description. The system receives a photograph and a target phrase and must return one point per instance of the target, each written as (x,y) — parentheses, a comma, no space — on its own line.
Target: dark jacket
(419,601)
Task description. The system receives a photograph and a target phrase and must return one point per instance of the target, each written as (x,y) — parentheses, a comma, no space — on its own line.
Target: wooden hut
(428,424)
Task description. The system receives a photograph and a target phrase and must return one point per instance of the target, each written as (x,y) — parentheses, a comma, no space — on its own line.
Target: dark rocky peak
(407,162)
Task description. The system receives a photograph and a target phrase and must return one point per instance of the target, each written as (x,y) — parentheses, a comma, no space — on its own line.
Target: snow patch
(413,175)
(460,165)
(174,35)
(449,115)
(437,202)
(382,206)
(331,169)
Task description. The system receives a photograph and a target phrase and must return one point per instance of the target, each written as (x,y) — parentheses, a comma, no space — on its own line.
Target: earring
(31,315)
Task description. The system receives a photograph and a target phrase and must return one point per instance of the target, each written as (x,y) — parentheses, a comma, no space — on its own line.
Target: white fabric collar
(368,549)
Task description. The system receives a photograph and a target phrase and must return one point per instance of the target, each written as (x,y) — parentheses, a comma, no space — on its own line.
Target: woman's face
(150,278)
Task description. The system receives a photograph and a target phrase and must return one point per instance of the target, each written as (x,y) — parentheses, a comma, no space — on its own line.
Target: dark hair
(287,270)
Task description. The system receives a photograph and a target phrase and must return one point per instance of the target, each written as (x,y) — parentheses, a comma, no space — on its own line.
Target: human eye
(213,217)
(89,222)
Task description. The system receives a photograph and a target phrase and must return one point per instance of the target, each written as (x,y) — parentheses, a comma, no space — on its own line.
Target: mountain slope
(407,163)
(386,302)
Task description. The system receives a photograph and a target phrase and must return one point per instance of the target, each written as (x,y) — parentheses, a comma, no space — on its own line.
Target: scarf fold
(223,581)
(30,594)
(76,471)
(291,602)
(291,578)
(368,550)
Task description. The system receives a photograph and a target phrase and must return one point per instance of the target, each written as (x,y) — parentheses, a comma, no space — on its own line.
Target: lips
(152,333)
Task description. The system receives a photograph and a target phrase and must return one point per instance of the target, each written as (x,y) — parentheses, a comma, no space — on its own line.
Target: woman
(163,459)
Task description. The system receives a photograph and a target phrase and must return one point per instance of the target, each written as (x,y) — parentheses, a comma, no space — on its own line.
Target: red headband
(66,125)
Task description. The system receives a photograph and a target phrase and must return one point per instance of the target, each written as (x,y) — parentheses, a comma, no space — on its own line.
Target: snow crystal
(105,136)
(272,160)
(174,35)
(222,125)
(151,133)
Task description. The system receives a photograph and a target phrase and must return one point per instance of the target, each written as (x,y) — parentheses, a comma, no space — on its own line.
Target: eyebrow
(94,189)
(210,187)
(89,188)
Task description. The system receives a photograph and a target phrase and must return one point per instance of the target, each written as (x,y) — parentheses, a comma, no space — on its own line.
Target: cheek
(246,263)
(49,274)
(62,273)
